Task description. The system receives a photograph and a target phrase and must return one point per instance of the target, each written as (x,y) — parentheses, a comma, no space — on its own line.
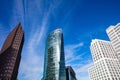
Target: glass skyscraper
(54,60)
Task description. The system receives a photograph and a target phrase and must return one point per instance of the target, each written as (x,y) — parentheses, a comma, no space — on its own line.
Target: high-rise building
(54,60)
(106,64)
(70,74)
(10,54)
(114,36)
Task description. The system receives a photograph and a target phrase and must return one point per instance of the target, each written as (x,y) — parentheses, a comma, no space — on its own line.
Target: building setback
(70,74)
(54,60)
(10,54)
(113,33)
(106,64)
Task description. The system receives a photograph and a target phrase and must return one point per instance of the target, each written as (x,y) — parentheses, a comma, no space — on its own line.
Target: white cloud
(80,67)
(31,67)
(70,50)
(84,68)
(82,71)
(32,63)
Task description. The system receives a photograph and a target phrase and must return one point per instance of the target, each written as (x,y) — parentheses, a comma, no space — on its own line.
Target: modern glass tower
(10,54)
(54,60)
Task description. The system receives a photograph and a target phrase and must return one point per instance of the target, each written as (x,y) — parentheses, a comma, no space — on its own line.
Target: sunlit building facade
(54,60)
(10,54)
(106,64)
(114,36)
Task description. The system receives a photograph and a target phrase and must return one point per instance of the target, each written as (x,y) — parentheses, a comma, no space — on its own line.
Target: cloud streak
(82,71)
(35,47)
(80,67)
(70,50)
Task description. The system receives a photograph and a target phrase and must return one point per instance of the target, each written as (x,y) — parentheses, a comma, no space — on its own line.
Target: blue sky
(80,20)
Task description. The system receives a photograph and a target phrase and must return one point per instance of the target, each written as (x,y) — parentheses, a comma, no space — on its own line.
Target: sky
(80,20)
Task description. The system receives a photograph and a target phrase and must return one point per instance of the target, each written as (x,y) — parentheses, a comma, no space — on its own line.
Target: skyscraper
(114,36)
(54,60)
(106,64)
(70,74)
(10,54)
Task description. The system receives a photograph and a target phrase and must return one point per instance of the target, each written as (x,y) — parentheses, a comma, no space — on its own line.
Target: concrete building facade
(106,64)
(113,33)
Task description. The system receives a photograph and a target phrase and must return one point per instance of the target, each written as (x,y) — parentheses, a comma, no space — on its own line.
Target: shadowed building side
(10,54)
(70,74)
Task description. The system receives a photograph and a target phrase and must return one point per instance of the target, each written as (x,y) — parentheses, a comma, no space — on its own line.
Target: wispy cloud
(70,51)
(31,67)
(82,71)
(34,58)
(84,68)
(80,67)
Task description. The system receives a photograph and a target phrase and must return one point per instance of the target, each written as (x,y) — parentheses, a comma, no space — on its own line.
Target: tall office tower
(54,60)
(106,64)
(10,54)
(114,36)
(70,74)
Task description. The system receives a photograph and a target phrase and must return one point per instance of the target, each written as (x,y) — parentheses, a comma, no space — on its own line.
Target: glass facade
(70,74)
(54,61)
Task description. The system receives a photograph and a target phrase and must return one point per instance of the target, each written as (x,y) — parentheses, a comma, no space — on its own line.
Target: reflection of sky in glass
(54,64)
(80,20)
